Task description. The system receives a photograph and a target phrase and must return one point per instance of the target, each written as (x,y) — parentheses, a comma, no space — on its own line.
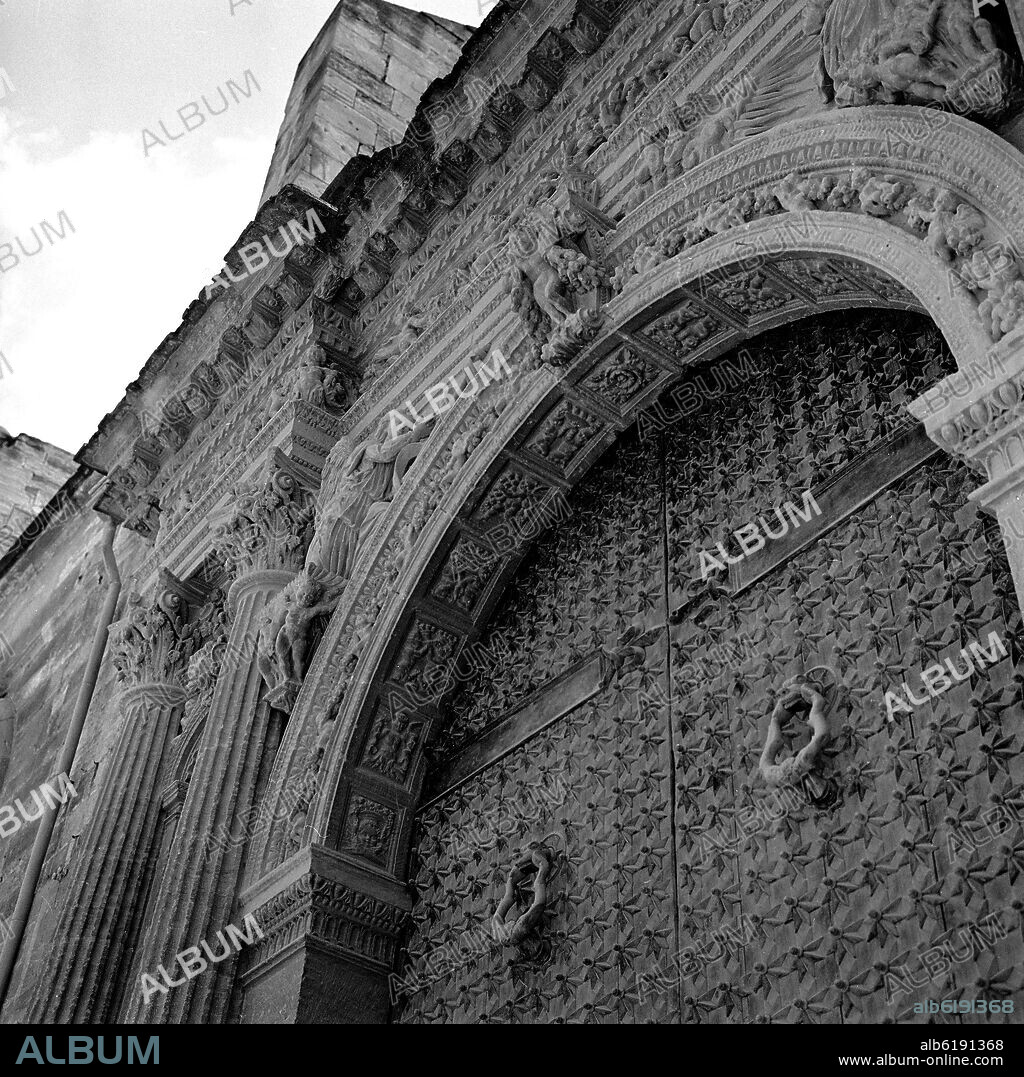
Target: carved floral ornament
(153,641)
(346,917)
(950,228)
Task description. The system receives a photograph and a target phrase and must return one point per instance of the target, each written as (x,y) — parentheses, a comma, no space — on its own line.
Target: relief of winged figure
(749,106)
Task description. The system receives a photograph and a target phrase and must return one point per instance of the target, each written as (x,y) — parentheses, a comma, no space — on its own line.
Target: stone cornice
(182,349)
(380,193)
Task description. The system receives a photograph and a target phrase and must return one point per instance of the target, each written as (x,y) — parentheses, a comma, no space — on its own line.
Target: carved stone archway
(331,898)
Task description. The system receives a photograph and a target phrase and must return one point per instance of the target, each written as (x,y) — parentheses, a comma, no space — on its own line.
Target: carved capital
(977,415)
(267,525)
(153,642)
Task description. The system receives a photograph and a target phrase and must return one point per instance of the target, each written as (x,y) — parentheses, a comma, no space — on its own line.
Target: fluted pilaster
(152,643)
(263,541)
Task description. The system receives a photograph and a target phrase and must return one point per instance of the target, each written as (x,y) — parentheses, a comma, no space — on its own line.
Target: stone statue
(547,262)
(366,486)
(283,637)
(531,238)
(910,52)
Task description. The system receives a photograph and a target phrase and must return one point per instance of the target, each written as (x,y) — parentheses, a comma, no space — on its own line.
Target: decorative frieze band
(313,908)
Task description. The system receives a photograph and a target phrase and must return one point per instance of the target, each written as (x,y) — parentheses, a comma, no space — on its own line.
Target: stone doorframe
(329,891)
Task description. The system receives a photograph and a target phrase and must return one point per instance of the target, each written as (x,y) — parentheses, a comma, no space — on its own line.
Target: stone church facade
(579,578)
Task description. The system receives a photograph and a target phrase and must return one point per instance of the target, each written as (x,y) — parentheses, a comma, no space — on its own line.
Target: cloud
(79,319)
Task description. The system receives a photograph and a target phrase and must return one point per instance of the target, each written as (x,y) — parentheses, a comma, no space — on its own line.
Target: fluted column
(263,541)
(977,415)
(152,643)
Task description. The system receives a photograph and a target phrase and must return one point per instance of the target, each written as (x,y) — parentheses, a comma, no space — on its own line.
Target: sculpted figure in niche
(915,52)
(369,481)
(284,635)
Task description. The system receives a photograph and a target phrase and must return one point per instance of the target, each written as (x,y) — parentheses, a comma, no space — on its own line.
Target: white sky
(79,319)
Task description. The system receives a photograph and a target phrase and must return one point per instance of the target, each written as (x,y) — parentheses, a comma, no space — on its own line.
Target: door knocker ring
(802,694)
(536,862)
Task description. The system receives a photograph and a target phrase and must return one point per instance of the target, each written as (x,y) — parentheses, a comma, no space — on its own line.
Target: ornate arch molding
(544,443)
(413,605)
(934,147)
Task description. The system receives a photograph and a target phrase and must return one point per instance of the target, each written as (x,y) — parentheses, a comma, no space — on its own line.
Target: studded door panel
(685,889)
(596,786)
